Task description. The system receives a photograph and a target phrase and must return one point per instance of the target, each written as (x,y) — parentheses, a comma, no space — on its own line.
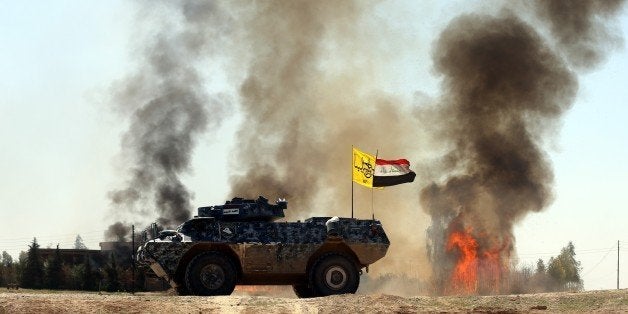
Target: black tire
(303,291)
(334,274)
(182,289)
(210,273)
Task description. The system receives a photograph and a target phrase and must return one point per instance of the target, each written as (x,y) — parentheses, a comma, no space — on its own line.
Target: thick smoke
(283,144)
(505,90)
(309,94)
(305,100)
(118,232)
(302,115)
(581,28)
(169,108)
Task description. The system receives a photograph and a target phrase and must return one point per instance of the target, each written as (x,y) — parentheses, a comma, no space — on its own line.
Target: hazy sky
(60,138)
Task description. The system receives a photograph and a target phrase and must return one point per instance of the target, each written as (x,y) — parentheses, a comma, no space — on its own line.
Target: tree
(9,269)
(54,271)
(74,274)
(540,267)
(33,271)
(565,269)
(7,260)
(88,279)
(78,243)
(20,265)
(6,269)
(111,274)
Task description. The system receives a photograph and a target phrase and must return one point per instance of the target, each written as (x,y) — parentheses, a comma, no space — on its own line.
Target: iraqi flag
(392,172)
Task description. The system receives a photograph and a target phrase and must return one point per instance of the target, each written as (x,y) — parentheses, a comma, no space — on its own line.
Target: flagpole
(351,181)
(373,188)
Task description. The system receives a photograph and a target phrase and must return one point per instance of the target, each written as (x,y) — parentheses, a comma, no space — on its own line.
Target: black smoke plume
(118,232)
(505,90)
(584,29)
(168,107)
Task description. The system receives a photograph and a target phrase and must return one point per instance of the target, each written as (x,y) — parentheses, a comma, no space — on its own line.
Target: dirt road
(31,301)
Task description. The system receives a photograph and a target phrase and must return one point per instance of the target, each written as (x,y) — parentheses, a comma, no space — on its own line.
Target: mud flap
(160,272)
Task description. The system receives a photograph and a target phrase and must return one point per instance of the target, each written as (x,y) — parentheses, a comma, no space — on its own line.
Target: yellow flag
(363,168)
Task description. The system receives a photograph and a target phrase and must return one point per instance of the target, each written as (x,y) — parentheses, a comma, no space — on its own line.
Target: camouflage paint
(266,247)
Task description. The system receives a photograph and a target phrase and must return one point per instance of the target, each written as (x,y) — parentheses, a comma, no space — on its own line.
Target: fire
(477,269)
(491,269)
(464,277)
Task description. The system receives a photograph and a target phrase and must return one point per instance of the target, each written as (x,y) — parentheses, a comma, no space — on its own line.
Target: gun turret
(239,209)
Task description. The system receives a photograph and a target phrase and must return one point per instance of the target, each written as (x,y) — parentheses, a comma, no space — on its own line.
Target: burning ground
(505,90)
(507,79)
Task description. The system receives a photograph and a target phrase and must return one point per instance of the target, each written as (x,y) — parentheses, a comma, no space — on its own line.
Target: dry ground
(30,301)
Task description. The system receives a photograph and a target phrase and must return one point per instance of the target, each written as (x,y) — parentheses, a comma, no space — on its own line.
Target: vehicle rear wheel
(210,273)
(335,274)
(303,291)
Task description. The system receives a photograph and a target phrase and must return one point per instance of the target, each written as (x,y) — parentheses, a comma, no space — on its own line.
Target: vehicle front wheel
(182,289)
(210,273)
(335,274)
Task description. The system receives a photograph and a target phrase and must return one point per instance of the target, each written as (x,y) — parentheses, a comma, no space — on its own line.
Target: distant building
(73,257)
(122,250)
(115,246)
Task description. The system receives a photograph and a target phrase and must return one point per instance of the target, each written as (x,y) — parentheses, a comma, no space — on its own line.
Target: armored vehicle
(241,243)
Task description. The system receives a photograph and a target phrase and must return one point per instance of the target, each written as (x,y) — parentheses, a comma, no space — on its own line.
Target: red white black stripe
(392,172)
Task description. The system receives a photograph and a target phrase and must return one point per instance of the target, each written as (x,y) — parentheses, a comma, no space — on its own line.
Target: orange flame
(477,269)
(491,269)
(465,273)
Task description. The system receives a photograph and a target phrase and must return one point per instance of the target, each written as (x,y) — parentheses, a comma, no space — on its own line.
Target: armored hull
(228,245)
